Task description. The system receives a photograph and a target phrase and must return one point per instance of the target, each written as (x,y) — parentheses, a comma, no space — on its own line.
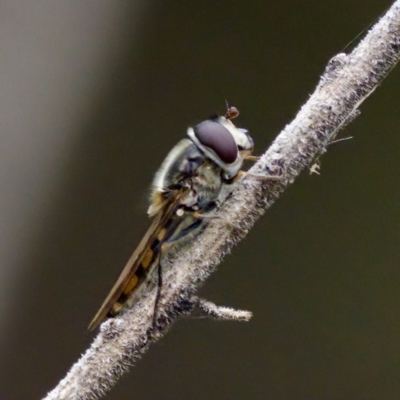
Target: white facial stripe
(241,138)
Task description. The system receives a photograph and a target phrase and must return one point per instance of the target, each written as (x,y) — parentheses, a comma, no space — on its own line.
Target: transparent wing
(164,214)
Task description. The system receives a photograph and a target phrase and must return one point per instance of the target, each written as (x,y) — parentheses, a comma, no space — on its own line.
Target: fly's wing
(166,211)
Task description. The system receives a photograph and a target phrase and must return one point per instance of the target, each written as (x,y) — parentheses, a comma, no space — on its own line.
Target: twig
(347,81)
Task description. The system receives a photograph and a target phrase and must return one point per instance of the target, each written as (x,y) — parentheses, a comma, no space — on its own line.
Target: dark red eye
(216,137)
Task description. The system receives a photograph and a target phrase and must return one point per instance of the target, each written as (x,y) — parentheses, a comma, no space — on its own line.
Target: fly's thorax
(213,155)
(206,183)
(171,169)
(174,174)
(186,167)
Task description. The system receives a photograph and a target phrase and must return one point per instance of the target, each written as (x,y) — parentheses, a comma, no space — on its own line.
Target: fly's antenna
(231,111)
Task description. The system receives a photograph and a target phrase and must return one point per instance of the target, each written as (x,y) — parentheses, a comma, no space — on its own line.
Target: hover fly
(186,187)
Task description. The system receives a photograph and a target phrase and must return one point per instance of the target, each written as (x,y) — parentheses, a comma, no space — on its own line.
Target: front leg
(242,174)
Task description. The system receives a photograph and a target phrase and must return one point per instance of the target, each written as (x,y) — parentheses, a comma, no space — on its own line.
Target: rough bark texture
(348,80)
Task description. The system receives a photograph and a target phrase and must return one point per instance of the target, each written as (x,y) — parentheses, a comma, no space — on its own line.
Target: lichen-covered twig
(347,81)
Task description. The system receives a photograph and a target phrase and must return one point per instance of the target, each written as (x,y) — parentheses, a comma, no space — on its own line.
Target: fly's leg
(216,215)
(263,177)
(159,289)
(266,177)
(251,158)
(227,192)
(184,232)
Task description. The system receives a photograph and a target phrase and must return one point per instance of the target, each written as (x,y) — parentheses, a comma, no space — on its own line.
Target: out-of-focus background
(92,97)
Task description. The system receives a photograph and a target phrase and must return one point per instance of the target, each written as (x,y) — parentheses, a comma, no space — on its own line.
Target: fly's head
(222,142)
(214,153)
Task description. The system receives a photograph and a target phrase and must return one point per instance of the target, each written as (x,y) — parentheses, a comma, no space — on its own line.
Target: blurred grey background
(92,97)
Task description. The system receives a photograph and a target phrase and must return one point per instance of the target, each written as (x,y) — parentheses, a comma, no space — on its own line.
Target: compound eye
(216,137)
